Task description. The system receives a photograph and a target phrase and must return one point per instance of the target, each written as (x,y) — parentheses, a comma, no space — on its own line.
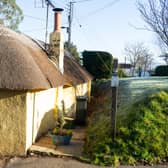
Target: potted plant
(60,135)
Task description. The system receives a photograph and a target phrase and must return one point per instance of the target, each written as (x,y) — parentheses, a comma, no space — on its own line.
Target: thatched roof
(24,65)
(74,72)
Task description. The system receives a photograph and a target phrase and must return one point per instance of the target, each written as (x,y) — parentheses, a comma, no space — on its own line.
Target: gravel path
(52,162)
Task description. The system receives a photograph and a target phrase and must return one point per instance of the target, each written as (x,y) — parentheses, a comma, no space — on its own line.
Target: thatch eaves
(24,65)
(74,72)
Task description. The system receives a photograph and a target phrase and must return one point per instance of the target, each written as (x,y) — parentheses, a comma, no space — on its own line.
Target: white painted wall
(40,112)
(70,101)
(70,94)
(82,89)
(29,118)
(41,105)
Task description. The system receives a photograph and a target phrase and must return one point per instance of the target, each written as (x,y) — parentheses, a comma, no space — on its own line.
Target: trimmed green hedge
(161,70)
(98,63)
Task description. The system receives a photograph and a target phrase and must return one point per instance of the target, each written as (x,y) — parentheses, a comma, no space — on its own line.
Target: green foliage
(63,132)
(73,50)
(121,73)
(142,136)
(161,70)
(11,14)
(98,63)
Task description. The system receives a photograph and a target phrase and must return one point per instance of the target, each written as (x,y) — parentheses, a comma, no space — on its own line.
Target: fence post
(114,86)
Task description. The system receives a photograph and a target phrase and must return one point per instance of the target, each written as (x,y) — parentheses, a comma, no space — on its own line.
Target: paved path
(74,149)
(51,162)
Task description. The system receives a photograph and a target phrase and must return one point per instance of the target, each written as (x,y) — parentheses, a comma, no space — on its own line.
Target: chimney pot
(57,19)
(58,9)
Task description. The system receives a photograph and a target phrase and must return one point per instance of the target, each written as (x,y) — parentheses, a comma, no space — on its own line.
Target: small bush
(121,73)
(142,138)
(161,70)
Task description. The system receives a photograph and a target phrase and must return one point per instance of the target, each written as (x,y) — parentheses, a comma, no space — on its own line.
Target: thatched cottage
(29,84)
(33,87)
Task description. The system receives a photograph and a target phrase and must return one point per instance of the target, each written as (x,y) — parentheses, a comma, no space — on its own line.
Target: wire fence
(132,90)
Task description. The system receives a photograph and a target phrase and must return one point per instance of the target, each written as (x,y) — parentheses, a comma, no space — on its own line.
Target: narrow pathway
(74,149)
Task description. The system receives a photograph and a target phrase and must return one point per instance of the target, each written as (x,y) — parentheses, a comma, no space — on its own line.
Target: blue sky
(105,25)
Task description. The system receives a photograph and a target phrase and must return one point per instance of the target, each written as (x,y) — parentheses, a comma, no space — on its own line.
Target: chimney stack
(57,19)
(56,41)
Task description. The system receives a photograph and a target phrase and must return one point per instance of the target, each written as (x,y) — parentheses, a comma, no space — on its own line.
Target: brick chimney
(56,41)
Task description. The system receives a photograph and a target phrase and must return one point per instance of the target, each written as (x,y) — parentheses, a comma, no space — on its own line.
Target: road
(53,162)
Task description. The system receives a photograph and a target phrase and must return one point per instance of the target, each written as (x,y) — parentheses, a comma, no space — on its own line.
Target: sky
(97,25)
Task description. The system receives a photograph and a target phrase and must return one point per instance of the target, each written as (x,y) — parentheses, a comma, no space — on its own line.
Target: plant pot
(61,139)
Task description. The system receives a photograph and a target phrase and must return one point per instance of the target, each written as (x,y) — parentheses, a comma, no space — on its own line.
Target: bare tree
(155,14)
(165,57)
(147,61)
(139,56)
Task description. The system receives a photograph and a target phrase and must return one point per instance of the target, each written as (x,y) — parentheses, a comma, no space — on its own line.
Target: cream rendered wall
(57,49)
(59,101)
(82,89)
(41,108)
(30,97)
(70,101)
(12,123)
(70,94)
(26,116)
(44,104)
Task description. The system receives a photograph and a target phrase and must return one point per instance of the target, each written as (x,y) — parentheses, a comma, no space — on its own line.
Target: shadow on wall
(7,94)
(70,111)
(49,121)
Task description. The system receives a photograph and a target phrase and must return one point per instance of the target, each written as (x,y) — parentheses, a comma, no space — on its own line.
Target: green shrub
(121,73)
(161,70)
(98,63)
(142,138)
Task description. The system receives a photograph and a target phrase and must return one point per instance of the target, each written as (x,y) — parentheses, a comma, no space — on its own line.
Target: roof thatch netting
(24,65)
(74,72)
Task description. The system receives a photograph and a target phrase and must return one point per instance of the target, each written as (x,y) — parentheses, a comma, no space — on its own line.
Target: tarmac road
(52,162)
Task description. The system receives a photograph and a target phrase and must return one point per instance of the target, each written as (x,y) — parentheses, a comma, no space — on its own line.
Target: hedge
(98,63)
(161,70)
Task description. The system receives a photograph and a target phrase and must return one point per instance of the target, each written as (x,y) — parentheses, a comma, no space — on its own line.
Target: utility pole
(50,3)
(46,34)
(70,17)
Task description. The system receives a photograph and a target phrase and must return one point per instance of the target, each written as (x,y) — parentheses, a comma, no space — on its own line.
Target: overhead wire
(89,14)
(98,10)
(33,17)
(94,12)
(82,1)
(34,30)
(98,54)
(101,9)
